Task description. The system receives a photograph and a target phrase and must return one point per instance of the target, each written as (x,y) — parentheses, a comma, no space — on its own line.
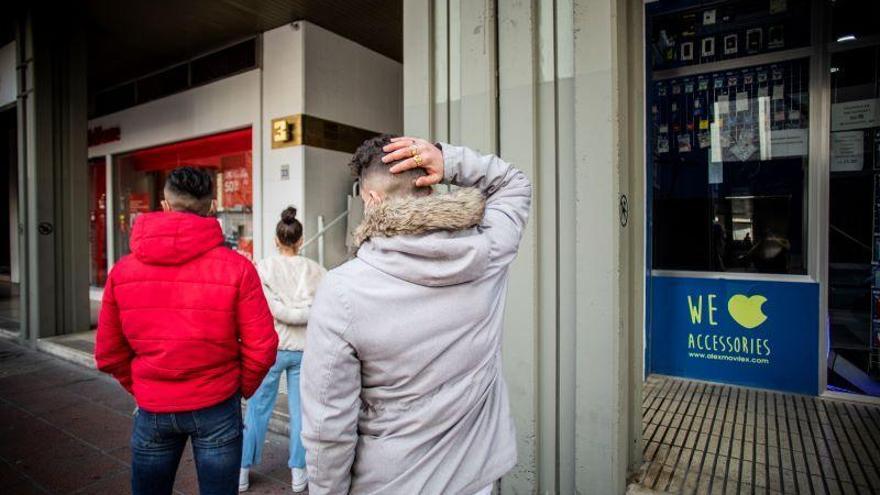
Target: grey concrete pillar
(53,123)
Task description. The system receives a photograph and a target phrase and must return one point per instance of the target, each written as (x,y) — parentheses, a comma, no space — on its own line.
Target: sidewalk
(65,429)
(710,438)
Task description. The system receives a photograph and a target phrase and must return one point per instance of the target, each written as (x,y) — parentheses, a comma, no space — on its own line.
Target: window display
(738,28)
(729,161)
(140,178)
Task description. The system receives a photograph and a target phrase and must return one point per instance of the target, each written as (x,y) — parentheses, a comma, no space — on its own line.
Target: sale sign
(745,332)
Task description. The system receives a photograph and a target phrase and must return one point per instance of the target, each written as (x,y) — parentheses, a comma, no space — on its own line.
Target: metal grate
(712,438)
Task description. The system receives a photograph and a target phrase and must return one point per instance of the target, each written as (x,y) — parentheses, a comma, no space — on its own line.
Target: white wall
(348,83)
(330,181)
(283,95)
(8,81)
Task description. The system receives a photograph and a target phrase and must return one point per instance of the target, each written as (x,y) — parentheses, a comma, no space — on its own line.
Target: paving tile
(96,424)
(120,484)
(65,468)
(42,402)
(22,439)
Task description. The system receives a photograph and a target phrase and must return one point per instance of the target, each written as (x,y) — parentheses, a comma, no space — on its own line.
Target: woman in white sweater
(289,283)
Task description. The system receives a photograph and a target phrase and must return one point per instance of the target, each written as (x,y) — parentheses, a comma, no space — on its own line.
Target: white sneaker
(243,480)
(300,480)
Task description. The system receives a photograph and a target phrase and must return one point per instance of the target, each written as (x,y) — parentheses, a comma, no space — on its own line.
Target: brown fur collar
(457,210)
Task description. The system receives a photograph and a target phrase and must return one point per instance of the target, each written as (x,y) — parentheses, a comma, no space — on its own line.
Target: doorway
(854,206)
(10,288)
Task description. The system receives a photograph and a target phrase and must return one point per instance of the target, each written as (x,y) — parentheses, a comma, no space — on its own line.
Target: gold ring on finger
(418,159)
(413,149)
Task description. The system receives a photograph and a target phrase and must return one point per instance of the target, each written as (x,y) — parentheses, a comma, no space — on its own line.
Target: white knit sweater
(289,283)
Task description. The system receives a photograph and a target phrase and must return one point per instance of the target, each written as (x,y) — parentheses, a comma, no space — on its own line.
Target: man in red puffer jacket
(185,328)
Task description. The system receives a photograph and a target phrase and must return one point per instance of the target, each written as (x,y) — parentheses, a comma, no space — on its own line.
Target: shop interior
(139,181)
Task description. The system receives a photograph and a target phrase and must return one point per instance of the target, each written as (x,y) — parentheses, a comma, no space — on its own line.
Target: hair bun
(288,216)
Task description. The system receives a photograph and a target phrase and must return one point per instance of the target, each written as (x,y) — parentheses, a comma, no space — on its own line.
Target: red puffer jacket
(184,324)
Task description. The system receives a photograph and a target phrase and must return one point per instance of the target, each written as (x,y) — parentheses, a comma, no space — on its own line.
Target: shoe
(300,480)
(244,480)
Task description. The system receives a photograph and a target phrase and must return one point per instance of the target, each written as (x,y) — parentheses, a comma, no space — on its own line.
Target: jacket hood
(430,240)
(173,238)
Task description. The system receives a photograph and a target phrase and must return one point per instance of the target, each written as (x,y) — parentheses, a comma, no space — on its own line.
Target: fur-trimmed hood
(429,240)
(457,210)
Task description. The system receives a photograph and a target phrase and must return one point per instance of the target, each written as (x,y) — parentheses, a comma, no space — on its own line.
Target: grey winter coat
(402,389)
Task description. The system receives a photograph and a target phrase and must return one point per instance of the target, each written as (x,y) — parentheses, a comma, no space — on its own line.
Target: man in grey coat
(402,388)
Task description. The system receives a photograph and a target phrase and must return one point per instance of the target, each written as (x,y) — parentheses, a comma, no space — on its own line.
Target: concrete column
(417,64)
(604,392)
(518,135)
(56,183)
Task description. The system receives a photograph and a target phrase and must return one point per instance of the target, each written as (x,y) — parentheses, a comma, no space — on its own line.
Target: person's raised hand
(412,153)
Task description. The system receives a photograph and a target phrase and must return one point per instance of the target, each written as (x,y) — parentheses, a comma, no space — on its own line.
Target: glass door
(854,202)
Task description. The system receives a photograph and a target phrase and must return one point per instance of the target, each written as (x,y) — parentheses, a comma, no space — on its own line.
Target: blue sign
(744,332)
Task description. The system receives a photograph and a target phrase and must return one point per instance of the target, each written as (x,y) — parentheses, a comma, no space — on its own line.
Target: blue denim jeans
(158,440)
(259,409)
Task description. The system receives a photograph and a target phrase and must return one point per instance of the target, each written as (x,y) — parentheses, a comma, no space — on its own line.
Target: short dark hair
(367,164)
(289,230)
(189,189)
(369,154)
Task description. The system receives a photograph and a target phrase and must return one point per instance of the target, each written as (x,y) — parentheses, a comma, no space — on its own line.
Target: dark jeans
(158,440)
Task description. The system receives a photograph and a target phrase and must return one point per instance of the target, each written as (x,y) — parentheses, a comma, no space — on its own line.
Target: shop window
(163,83)
(216,65)
(97,222)
(729,159)
(222,63)
(728,146)
(140,179)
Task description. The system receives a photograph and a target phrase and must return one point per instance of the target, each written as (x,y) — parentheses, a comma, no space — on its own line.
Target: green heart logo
(747,310)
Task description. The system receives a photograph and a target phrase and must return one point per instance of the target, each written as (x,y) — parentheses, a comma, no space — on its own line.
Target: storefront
(763,193)
(228,126)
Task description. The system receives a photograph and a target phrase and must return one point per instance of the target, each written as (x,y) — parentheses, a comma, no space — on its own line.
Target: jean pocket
(145,432)
(219,425)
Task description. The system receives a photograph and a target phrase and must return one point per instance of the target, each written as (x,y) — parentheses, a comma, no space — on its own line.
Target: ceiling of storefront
(133,38)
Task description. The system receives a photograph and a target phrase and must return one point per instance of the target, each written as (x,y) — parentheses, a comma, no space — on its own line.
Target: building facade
(705,188)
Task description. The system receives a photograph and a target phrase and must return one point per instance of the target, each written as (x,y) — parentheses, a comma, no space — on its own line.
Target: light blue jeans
(259,409)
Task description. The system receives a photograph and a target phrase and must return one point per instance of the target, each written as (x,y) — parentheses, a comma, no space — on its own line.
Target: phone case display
(728,30)
(740,115)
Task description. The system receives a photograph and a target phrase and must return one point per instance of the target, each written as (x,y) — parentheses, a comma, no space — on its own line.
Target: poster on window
(847,151)
(237,189)
(748,332)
